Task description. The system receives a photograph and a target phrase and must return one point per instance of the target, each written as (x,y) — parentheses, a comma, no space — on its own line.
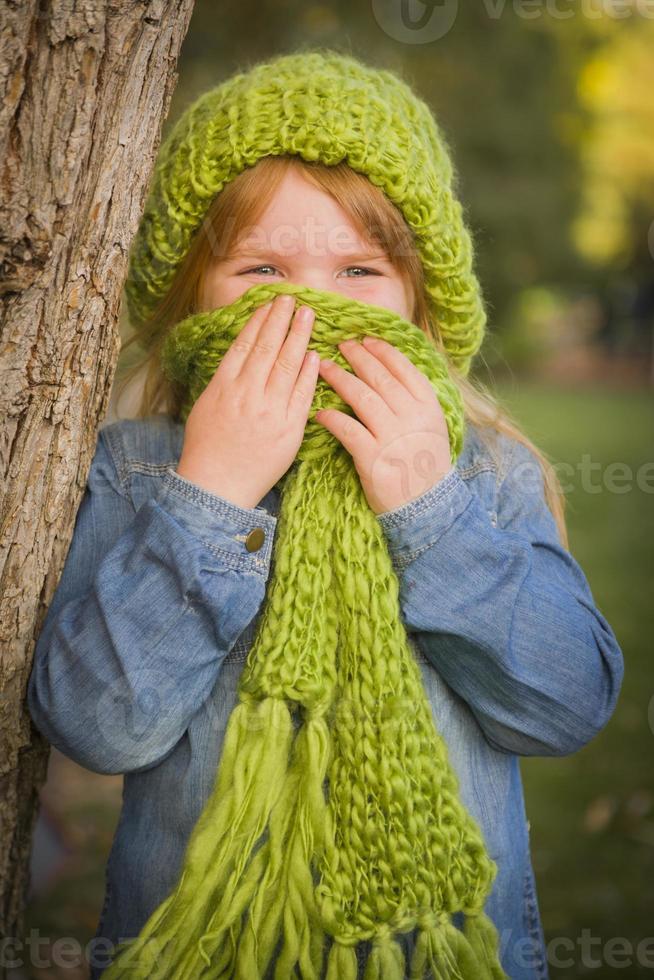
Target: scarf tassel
(448,953)
(436,951)
(483,937)
(251,778)
(285,902)
(385,960)
(441,952)
(341,962)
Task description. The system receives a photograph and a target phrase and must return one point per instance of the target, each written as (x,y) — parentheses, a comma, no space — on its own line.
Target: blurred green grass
(592,813)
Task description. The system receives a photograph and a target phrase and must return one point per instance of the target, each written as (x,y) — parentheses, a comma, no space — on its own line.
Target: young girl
(315,610)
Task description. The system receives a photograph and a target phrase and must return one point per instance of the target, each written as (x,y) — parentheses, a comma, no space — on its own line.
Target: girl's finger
(394,390)
(304,388)
(263,348)
(240,347)
(401,367)
(285,370)
(350,433)
(368,405)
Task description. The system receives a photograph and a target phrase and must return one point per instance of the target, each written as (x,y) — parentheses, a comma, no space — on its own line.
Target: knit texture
(335,815)
(323,106)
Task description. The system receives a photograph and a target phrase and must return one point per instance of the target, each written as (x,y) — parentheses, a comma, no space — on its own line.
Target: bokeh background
(549,110)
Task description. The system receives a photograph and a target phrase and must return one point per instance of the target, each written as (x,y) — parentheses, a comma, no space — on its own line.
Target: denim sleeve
(505,613)
(148,605)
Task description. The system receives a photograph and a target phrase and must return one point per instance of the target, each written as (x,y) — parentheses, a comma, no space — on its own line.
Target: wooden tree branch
(85,86)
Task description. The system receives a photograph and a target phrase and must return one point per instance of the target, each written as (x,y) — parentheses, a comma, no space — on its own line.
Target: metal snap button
(255,539)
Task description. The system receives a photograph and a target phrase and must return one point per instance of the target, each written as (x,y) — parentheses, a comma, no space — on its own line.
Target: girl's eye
(360,268)
(257,267)
(363,269)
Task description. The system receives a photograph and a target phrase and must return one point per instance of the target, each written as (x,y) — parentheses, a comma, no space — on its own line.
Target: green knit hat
(326,106)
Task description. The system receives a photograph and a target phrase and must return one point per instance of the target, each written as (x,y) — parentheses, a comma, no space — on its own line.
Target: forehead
(303,216)
(312,237)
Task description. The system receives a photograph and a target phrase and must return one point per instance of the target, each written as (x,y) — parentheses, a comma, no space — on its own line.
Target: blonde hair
(238,206)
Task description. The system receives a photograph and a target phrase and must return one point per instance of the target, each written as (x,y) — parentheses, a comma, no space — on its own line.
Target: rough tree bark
(85,86)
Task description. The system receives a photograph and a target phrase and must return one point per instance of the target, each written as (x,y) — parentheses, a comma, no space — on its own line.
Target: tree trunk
(85,87)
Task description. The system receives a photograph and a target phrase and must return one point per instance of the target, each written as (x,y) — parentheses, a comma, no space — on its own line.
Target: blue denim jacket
(137,664)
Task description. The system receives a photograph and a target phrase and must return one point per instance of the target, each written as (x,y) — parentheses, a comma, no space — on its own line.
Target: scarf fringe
(447,953)
(285,897)
(291,799)
(436,952)
(250,780)
(483,937)
(441,952)
(341,963)
(385,961)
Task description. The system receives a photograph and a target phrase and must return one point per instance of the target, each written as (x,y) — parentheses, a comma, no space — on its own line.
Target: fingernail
(327,362)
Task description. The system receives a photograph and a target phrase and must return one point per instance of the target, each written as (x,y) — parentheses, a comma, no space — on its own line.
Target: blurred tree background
(549,112)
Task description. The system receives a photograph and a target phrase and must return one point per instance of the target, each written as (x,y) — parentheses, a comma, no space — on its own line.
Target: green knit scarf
(335,815)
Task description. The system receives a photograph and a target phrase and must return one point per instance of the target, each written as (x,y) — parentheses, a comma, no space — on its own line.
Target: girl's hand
(402,449)
(246,427)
